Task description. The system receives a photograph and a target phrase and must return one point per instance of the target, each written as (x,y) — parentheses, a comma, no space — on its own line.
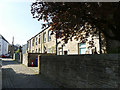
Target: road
(16,75)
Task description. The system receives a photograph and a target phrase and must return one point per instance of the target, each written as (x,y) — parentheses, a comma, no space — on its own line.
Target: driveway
(16,75)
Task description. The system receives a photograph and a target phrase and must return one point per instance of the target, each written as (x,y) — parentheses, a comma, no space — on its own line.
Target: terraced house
(44,42)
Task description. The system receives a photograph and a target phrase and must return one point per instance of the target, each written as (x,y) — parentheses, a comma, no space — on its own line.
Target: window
(28,44)
(39,39)
(44,49)
(33,42)
(44,37)
(60,51)
(65,52)
(82,48)
(39,50)
(36,40)
(49,36)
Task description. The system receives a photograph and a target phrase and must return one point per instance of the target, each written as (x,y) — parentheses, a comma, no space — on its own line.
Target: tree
(79,19)
(52,49)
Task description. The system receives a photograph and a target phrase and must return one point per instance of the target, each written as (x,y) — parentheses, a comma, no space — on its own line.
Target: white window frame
(81,47)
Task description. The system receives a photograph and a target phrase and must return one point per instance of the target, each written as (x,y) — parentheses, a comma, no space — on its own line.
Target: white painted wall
(24,49)
(3,46)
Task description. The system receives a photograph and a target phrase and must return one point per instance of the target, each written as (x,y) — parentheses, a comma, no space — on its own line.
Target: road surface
(16,75)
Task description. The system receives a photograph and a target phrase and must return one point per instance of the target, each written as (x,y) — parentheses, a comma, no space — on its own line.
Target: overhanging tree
(76,18)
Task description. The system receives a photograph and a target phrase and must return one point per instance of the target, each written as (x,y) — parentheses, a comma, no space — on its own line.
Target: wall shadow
(8,62)
(12,80)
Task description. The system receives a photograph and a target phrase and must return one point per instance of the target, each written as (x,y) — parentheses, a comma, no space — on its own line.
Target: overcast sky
(16,20)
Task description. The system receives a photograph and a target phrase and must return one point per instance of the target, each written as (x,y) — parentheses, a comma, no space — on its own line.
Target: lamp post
(56,43)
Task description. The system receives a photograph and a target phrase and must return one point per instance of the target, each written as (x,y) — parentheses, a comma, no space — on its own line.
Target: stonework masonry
(82,71)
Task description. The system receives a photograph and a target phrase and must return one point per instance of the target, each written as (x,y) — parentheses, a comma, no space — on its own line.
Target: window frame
(44,37)
(39,39)
(81,47)
(49,36)
(33,42)
(36,40)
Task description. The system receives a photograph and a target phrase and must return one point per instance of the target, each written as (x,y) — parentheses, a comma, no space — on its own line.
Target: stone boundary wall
(17,57)
(25,59)
(82,71)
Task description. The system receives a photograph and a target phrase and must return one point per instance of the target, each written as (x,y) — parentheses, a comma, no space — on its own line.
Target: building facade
(3,45)
(12,49)
(24,49)
(44,42)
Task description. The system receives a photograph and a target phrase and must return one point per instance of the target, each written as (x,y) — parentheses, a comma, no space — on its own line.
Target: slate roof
(3,38)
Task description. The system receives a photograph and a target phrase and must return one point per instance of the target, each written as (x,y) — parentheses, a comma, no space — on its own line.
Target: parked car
(7,55)
(2,56)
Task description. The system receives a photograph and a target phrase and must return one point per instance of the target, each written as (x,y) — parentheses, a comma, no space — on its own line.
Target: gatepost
(39,66)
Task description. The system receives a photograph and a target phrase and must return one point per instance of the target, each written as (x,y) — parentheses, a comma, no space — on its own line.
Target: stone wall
(25,59)
(82,71)
(17,57)
(113,46)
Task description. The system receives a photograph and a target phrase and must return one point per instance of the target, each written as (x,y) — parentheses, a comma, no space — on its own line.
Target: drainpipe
(56,43)
(100,42)
(62,49)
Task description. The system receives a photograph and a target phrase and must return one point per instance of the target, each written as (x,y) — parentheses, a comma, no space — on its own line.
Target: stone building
(44,42)
(12,49)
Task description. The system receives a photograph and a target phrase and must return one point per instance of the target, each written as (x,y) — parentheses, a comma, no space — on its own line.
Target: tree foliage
(79,19)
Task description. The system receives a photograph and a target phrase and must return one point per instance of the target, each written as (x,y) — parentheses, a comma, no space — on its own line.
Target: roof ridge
(4,38)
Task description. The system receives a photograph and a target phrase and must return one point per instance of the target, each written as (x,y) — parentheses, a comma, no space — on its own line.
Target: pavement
(16,75)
